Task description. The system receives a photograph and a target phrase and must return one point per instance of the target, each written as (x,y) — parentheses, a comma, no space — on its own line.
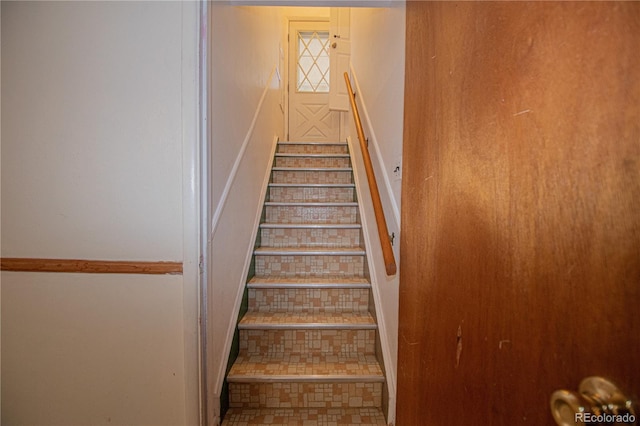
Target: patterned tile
(336,342)
(311,214)
(324,280)
(312,162)
(305,417)
(305,395)
(304,176)
(339,148)
(307,341)
(254,319)
(308,300)
(304,364)
(310,237)
(309,266)
(309,194)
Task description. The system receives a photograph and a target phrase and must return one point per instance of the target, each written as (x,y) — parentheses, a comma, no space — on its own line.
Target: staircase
(308,339)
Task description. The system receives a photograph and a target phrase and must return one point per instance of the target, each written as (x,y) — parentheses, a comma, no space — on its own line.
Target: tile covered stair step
(301,320)
(294,299)
(310,235)
(311,212)
(303,417)
(312,175)
(292,394)
(312,160)
(308,282)
(308,367)
(345,342)
(313,147)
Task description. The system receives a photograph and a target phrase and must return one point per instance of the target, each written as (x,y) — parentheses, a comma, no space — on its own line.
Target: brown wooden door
(520,256)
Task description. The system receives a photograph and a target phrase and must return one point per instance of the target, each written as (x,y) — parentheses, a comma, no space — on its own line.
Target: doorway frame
(202,180)
(207,405)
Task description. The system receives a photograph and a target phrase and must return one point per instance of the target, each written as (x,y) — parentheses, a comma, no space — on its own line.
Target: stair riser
(305,395)
(280,176)
(309,266)
(338,342)
(308,300)
(313,148)
(312,162)
(309,237)
(303,214)
(301,194)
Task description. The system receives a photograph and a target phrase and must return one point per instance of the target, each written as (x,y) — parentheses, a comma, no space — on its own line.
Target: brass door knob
(598,401)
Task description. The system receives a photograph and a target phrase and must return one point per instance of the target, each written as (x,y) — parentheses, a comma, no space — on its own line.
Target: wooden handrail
(383,232)
(89,266)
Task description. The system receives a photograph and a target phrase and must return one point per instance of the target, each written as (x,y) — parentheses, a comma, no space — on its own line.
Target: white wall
(377,60)
(92,349)
(99,103)
(245,118)
(90,126)
(244,51)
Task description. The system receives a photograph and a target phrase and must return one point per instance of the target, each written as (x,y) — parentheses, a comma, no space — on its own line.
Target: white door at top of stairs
(310,118)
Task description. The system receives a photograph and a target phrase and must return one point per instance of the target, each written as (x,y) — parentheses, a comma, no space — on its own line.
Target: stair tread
(312,203)
(301,319)
(312,154)
(305,367)
(369,416)
(312,143)
(312,225)
(312,185)
(309,251)
(308,282)
(311,169)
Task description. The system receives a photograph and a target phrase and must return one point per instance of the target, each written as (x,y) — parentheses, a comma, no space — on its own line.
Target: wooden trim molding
(89,266)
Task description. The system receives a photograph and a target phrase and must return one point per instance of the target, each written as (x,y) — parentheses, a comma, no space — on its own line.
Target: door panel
(520,256)
(310,118)
(340,54)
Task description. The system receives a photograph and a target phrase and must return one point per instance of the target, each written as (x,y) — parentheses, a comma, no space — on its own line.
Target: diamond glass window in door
(313,61)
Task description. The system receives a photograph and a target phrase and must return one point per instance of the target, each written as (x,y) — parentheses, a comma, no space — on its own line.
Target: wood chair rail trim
(89,266)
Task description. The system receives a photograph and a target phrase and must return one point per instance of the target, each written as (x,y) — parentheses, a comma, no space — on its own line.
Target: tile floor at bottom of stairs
(304,417)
